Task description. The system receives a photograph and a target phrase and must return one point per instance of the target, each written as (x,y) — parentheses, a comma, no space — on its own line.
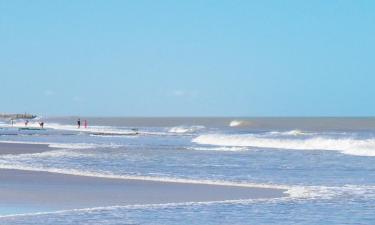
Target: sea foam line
(185,129)
(145,206)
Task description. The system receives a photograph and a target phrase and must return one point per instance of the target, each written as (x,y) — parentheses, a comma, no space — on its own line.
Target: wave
(110,131)
(56,126)
(290,133)
(101,130)
(81,211)
(218,148)
(185,129)
(81,145)
(66,145)
(239,123)
(350,146)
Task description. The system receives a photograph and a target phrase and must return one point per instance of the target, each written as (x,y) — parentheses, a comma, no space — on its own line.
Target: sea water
(326,164)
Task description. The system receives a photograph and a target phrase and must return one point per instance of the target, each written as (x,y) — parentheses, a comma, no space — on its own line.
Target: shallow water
(327,165)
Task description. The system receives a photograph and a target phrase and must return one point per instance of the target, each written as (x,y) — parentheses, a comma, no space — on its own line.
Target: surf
(345,145)
(185,129)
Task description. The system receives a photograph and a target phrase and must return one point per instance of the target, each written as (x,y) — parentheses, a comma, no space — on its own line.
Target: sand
(44,191)
(16,148)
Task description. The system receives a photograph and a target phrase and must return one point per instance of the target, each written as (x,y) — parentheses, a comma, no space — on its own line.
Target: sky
(187,58)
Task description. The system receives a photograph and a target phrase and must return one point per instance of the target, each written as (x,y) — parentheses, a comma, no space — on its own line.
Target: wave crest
(238,123)
(184,129)
(290,133)
(363,147)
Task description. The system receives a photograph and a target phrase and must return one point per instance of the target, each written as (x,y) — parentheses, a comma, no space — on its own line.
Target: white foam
(237,123)
(81,145)
(20,124)
(143,206)
(218,148)
(290,133)
(185,129)
(62,153)
(359,147)
(66,145)
(90,129)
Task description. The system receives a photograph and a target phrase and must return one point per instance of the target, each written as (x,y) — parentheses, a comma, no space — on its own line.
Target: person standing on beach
(85,124)
(26,122)
(79,123)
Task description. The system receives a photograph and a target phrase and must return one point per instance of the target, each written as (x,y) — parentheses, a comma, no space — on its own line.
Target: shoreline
(10,148)
(26,191)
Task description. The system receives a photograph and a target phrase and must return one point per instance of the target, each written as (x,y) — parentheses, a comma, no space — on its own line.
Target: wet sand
(53,191)
(16,148)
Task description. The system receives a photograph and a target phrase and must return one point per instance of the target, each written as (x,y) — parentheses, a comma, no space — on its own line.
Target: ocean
(327,166)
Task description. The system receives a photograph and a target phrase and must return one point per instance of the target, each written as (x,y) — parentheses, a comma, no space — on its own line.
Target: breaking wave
(101,130)
(218,148)
(185,129)
(290,133)
(350,146)
(239,123)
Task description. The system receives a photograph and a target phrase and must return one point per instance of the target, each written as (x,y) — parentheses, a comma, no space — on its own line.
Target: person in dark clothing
(79,123)
(41,124)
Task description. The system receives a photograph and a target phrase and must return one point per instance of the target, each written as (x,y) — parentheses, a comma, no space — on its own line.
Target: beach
(188,171)
(33,191)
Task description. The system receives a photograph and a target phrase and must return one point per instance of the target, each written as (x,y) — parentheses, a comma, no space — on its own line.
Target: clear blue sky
(188,58)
